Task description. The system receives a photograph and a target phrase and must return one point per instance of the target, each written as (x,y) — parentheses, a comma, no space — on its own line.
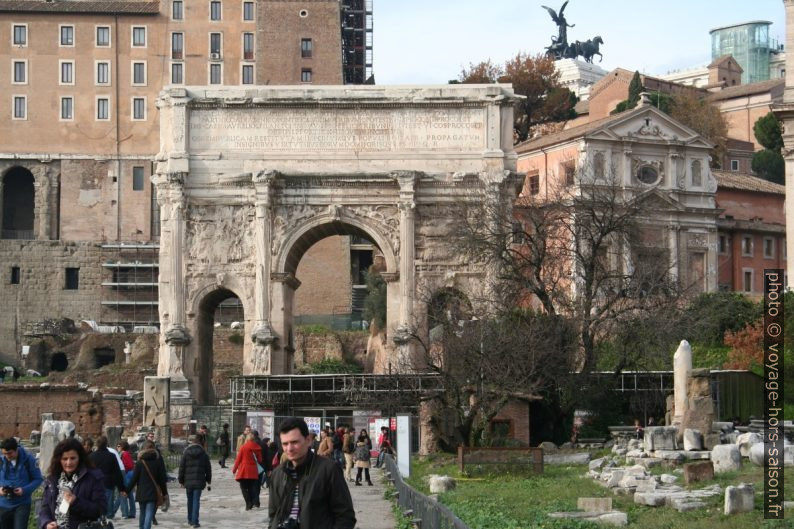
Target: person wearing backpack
(149,478)
(19,477)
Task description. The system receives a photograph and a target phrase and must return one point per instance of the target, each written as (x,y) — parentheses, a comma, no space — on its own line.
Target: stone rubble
(726,458)
(739,499)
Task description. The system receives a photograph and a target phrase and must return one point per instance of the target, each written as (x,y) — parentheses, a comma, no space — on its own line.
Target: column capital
(406,180)
(177,335)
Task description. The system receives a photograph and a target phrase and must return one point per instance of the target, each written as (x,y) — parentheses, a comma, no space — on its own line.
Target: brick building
(751,231)
(79,222)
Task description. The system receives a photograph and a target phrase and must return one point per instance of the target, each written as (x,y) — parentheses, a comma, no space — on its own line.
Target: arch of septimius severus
(248,179)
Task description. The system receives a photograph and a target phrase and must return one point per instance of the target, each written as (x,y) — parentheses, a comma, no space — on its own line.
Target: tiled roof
(568,134)
(108,7)
(748,89)
(746,182)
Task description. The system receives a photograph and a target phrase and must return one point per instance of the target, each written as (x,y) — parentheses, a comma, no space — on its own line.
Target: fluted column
(785,113)
(407,205)
(263,335)
(172,200)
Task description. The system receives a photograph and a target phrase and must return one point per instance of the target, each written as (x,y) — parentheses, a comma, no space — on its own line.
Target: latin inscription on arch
(336,130)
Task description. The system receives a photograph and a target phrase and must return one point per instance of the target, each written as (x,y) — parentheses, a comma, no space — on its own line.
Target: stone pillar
(44,210)
(171,197)
(157,407)
(263,336)
(283,287)
(675,252)
(407,205)
(682,367)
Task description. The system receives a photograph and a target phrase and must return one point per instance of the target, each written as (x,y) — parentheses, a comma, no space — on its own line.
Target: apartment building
(80,126)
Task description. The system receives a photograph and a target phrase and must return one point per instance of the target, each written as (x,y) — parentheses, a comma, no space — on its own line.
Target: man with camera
(308,491)
(19,477)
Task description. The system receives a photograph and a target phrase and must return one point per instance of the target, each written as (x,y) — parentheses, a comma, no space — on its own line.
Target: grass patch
(522,500)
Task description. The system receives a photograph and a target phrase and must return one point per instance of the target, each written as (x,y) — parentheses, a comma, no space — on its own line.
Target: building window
(20,72)
(20,107)
(747,280)
(215,74)
(67,72)
(67,35)
(568,171)
(599,165)
(248,46)
(14,275)
(72,279)
(769,248)
(177,46)
(722,245)
(176,10)
(139,73)
(67,108)
(137,178)
(138,108)
(734,165)
(103,36)
(534,183)
(248,11)
(697,177)
(215,10)
(20,35)
(102,108)
(248,74)
(177,73)
(103,73)
(747,246)
(306,48)
(306,75)
(139,36)
(215,45)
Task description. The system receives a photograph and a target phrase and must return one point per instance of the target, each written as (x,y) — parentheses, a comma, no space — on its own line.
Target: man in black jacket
(108,463)
(195,471)
(308,491)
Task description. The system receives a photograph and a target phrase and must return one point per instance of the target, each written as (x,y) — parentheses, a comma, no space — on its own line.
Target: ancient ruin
(248,179)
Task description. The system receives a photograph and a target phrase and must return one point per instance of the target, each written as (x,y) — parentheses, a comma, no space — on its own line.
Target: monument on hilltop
(575,74)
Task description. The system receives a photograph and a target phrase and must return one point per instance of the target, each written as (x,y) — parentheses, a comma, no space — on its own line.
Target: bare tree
(583,252)
(484,363)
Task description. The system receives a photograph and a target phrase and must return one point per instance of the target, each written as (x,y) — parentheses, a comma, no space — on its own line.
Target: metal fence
(424,512)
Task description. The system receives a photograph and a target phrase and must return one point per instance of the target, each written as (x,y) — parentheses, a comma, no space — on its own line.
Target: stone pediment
(656,200)
(651,125)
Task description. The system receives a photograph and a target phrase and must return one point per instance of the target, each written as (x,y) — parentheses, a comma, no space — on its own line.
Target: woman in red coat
(246,472)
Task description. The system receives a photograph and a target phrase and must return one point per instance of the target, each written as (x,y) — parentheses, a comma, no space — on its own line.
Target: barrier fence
(424,512)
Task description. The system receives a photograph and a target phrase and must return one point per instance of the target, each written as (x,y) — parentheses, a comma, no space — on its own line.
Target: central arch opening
(332,262)
(221,337)
(18,204)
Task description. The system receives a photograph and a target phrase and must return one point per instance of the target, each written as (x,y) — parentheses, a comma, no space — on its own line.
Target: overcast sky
(428,41)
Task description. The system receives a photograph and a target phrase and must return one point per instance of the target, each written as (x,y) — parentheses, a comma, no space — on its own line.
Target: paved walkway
(223,506)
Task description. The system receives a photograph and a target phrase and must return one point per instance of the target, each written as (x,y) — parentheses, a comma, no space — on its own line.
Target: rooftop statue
(561,41)
(561,49)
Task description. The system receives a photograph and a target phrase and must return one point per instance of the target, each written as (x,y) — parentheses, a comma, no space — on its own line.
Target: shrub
(330,366)
(710,315)
(236,338)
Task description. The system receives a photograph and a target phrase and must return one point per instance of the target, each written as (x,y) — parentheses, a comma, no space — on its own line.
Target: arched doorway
(219,311)
(340,292)
(18,204)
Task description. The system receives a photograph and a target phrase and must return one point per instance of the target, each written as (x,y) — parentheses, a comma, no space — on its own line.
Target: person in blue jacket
(19,477)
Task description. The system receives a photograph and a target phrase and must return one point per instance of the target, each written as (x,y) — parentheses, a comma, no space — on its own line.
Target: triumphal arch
(248,179)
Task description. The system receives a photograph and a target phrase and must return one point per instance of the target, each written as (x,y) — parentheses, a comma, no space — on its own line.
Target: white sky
(428,41)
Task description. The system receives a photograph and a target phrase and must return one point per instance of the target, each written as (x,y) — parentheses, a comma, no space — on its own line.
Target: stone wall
(40,293)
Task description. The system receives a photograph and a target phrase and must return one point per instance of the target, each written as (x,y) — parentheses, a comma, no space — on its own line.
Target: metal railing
(424,512)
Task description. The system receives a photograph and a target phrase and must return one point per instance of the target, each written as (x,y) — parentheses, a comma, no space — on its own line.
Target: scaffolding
(357,41)
(130,274)
(366,391)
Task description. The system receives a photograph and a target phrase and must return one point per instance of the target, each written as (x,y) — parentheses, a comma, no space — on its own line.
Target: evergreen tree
(635,89)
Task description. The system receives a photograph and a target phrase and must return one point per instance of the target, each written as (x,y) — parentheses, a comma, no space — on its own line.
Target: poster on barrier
(404,444)
(315,424)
